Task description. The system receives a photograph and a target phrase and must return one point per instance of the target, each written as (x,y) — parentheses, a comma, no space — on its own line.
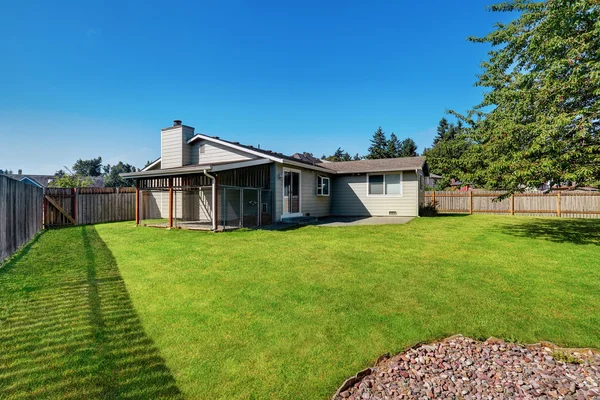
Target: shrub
(428,209)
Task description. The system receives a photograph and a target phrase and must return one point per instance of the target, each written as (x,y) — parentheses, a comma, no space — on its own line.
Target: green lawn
(117,311)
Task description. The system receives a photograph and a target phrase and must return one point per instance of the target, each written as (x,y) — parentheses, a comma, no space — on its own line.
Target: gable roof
(299,160)
(268,154)
(382,165)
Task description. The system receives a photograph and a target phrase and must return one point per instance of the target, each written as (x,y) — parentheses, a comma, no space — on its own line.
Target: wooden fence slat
(21,207)
(563,204)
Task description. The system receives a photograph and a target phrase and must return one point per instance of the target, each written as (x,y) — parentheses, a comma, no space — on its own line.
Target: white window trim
(328,186)
(299,213)
(384,174)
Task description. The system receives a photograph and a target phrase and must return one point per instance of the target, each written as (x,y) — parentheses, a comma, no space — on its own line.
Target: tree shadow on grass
(576,231)
(68,328)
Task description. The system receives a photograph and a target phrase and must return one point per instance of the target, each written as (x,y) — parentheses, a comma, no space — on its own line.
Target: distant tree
(444,157)
(408,148)
(112,177)
(379,145)
(441,130)
(339,155)
(356,157)
(60,173)
(71,180)
(393,147)
(91,167)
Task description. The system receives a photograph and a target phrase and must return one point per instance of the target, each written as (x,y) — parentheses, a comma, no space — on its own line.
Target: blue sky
(86,78)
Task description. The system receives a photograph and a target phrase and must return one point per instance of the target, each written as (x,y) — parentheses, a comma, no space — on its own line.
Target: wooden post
(137,202)
(512,204)
(45,212)
(216,205)
(558,205)
(433,198)
(75,205)
(470,201)
(170,203)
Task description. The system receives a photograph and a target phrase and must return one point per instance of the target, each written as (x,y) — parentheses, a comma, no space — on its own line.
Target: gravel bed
(463,368)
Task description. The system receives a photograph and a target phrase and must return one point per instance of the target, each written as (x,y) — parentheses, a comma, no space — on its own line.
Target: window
(385,185)
(322,186)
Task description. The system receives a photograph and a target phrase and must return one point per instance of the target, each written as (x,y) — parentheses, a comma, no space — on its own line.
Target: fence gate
(60,207)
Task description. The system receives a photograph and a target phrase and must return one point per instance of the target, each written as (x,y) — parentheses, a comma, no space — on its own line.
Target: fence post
(433,198)
(512,204)
(45,210)
(137,203)
(75,205)
(558,205)
(470,201)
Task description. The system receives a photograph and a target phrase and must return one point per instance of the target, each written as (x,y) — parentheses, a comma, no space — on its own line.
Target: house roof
(298,159)
(383,165)
(271,155)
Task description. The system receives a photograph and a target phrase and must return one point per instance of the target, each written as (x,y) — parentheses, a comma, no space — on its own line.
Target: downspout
(214,199)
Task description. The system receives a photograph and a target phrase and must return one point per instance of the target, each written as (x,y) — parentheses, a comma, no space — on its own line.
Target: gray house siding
(206,152)
(310,203)
(350,197)
(175,152)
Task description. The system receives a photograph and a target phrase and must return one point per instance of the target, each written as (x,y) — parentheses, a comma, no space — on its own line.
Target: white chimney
(175,152)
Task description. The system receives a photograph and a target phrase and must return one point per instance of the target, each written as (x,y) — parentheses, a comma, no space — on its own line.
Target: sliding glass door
(291,192)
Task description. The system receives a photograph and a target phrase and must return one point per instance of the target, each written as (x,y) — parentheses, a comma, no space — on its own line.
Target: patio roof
(195,169)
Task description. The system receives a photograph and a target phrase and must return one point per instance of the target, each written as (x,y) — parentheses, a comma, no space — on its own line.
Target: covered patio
(205,197)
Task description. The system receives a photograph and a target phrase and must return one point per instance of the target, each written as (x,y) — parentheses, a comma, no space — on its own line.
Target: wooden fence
(567,204)
(20,214)
(64,207)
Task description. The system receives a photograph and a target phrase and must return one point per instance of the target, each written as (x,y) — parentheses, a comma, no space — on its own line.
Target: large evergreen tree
(339,155)
(540,118)
(393,147)
(441,130)
(449,145)
(112,177)
(379,145)
(408,148)
(92,167)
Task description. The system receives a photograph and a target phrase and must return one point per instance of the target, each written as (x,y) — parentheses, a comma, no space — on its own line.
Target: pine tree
(408,148)
(379,145)
(393,146)
(441,131)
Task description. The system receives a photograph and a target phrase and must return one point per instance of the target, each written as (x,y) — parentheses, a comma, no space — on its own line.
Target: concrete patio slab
(354,221)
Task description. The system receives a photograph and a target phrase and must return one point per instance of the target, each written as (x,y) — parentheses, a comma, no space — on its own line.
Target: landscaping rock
(459,367)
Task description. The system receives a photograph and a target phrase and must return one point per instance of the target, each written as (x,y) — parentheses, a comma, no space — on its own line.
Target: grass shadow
(68,328)
(576,231)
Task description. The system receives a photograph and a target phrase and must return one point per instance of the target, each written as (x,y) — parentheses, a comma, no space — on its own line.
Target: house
(202,181)
(43,181)
(432,180)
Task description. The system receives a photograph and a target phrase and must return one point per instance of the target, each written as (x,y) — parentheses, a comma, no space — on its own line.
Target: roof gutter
(214,198)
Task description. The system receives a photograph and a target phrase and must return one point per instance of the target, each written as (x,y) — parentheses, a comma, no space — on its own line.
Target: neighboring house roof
(31,182)
(44,180)
(38,180)
(435,176)
(382,165)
